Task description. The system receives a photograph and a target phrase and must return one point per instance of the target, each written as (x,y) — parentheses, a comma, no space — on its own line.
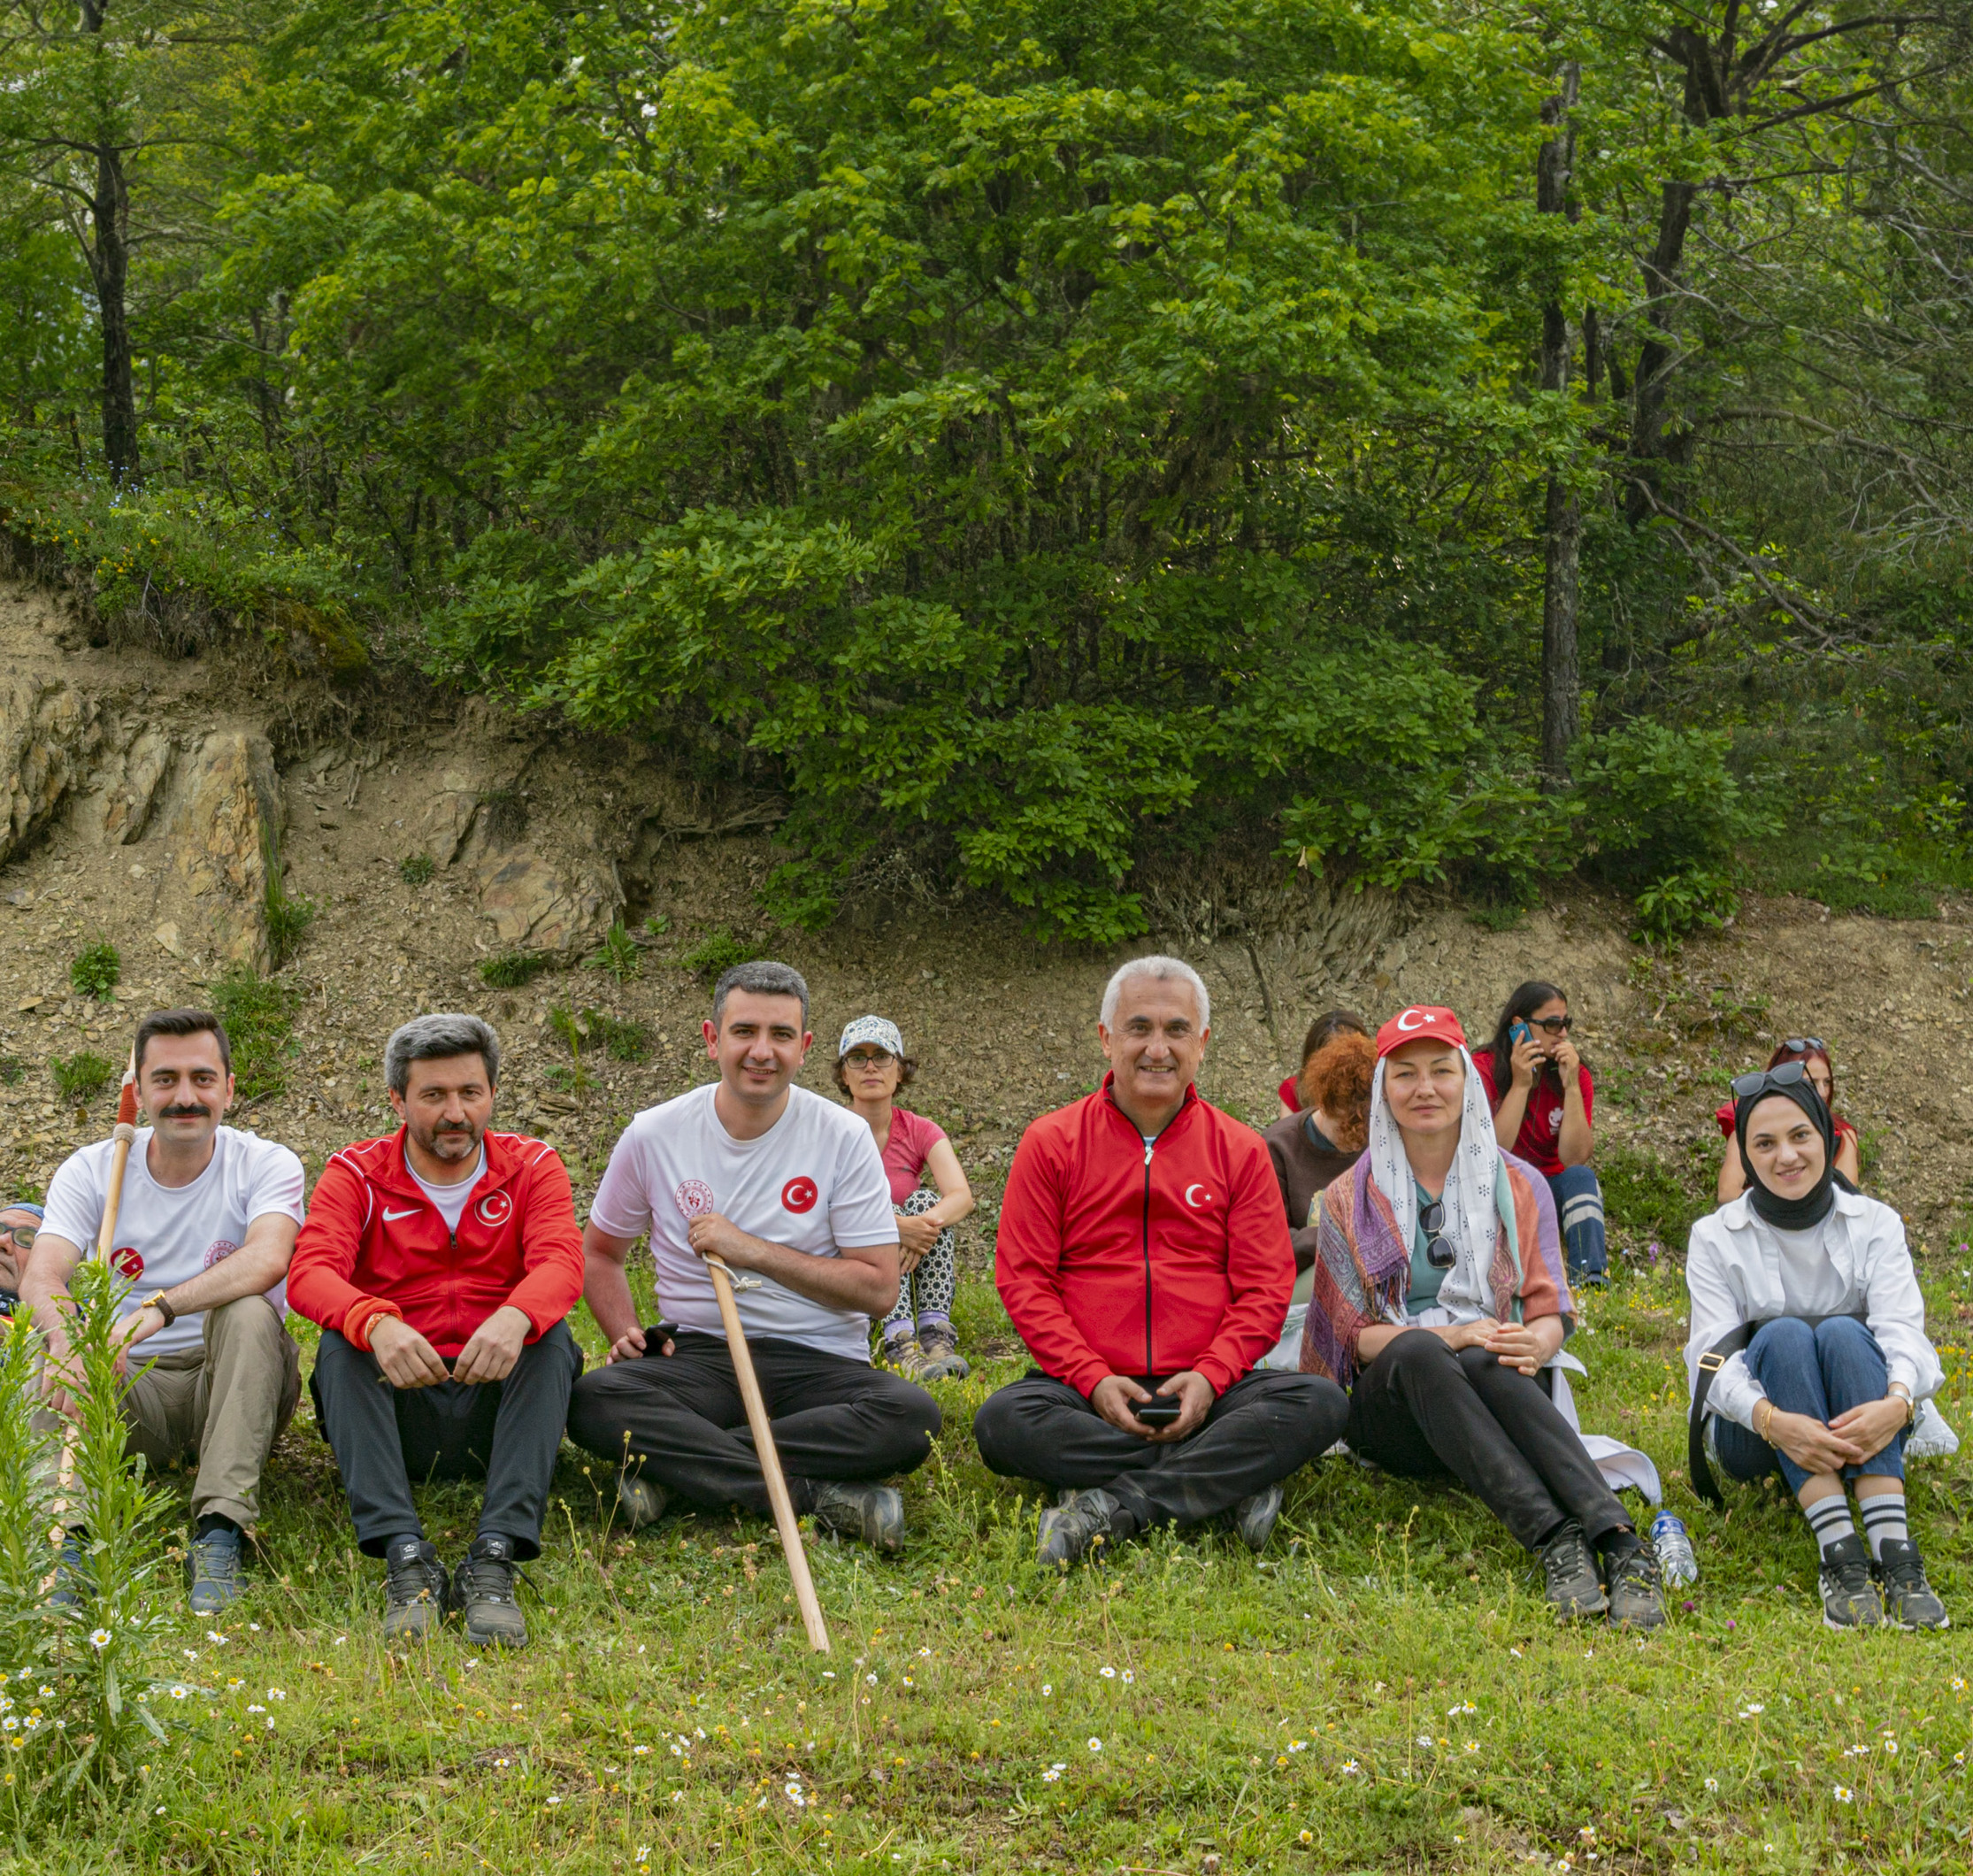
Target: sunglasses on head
(1762,1080)
(1432,1221)
(1802,1044)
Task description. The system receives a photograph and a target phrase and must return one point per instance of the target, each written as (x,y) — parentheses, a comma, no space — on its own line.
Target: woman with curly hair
(1322,1139)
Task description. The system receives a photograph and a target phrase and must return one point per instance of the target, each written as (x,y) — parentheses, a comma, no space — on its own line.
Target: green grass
(79,1077)
(510,970)
(95,970)
(718,951)
(1648,1200)
(1254,1684)
(258,1013)
(416,868)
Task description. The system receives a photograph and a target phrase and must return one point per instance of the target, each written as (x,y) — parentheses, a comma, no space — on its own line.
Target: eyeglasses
(867,1059)
(1551,1025)
(23,1235)
(1432,1221)
(1790,1074)
(1802,1044)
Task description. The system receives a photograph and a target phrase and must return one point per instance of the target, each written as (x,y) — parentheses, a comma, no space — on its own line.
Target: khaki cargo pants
(228,1402)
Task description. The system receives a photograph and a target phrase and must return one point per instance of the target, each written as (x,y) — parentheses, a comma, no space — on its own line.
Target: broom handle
(770,1460)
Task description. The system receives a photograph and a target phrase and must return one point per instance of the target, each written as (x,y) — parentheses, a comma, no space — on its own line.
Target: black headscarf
(1809,1211)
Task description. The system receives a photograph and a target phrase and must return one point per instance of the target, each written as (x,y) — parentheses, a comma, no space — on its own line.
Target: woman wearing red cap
(1439,1299)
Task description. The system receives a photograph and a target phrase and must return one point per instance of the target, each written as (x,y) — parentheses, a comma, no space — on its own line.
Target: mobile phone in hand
(1162,1409)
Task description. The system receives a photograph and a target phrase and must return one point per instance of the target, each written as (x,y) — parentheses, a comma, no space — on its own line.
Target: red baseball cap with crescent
(1421,1023)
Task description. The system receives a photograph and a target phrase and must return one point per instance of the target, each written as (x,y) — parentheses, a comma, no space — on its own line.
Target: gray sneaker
(414,1591)
(1254,1517)
(1850,1598)
(75,1579)
(640,1501)
(1909,1601)
(212,1569)
(873,1513)
(939,1359)
(1569,1574)
(1083,1526)
(483,1593)
(1637,1590)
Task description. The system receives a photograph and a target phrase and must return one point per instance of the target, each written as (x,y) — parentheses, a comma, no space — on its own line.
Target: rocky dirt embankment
(168,805)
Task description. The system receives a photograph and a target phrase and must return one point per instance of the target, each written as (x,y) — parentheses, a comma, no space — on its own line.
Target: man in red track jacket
(1144,1258)
(440,1262)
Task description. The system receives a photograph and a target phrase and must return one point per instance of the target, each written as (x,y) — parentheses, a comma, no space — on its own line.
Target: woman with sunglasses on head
(871,1067)
(1439,1298)
(1809,1351)
(1542,1098)
(1325,1028)
(1813,1053)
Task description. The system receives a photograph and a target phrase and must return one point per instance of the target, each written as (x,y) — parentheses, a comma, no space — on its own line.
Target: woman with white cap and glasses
(1809,1352)
(870,1068)
(1439,1298)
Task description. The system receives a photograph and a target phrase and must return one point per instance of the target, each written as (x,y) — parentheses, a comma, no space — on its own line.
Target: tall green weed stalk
(77,1691)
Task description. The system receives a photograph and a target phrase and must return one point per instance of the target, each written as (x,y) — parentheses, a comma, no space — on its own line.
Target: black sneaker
(1850,1598)
(1085,1525)
(1569,1574)
(414,1589)
(875,1513)
(1254,1516)
(1637,1591)
(1909,1601)
(483,1593)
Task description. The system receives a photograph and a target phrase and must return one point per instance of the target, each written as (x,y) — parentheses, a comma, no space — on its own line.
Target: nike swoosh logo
(410,1212)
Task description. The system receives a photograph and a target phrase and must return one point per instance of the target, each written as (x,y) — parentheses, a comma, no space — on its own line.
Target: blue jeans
(1579,1209)
(1823,1371)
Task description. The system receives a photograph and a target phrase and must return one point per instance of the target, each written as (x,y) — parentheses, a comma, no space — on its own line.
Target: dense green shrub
(1660,803)
(96,969)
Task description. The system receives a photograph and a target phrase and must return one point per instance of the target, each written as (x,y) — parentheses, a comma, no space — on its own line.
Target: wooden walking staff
(694,1200)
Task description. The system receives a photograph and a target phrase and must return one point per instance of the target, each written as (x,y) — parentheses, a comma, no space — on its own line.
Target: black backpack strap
(1709,1365)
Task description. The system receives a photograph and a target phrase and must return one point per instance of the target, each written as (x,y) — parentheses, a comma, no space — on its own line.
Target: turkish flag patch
(800,1194)
(129,1260)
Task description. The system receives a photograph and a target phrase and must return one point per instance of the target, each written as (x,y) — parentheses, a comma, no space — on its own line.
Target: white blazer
(1733,1274)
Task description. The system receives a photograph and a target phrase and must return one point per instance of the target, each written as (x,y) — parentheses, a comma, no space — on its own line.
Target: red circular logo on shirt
(800,1195)
(217,1249)
(129,1260)
(495,1209)
(694,1198)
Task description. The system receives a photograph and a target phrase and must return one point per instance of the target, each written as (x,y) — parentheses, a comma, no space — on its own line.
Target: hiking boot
(1254,1517)
(1909,1601)
(74,1581)
(904,1353)
(1087,1524)
(414,1591)
(874,1513)
(1569,1572)
(212,1569)
(639,1500)
(483,1593)
(1637,1591)
(939,1356)
(1850,1598)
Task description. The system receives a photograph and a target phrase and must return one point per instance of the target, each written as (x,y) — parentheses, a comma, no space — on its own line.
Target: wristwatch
(1898,1390)
(156,1301)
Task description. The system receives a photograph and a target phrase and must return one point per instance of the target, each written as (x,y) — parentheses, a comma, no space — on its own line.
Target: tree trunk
(1659,351)
(110,263)
(1562,536)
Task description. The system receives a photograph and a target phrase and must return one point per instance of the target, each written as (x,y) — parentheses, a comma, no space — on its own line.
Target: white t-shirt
(167,1235)
(813,1182)
(450,1200)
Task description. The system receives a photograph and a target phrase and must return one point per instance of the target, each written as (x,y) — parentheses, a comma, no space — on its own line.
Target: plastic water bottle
(1675,1561)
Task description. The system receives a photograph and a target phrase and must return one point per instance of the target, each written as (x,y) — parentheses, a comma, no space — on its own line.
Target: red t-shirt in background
(1291,1095)
(1724,1116)
(912,1139)
(1539,1140)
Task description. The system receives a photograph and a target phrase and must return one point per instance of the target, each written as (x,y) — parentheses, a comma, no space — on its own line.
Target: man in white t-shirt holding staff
(205,1231)
(789,1190)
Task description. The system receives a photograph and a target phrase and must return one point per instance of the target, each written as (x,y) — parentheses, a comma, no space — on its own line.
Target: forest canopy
(1034,440)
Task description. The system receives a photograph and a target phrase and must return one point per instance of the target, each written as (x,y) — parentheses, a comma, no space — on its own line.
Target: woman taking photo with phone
(1542,1098)
(1813,1053)
(1809,1351)
(1439,1298)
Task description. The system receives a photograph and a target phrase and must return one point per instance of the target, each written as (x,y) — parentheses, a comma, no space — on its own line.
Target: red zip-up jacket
(1115,1257)
(374,1245)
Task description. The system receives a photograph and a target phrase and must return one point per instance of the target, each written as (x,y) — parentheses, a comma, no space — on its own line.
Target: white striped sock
(1829,1519)
(1884,1516)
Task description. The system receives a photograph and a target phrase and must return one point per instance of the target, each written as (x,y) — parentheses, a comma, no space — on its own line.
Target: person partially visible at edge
(1329,1025)
(1143,1259)
(1316,1145)
(1543,1098)
(918,1335)
(204,1233)
(1827,1386)
(1438,1300)
(18,1225)
(789,1189)
(442,1262)
(1813,1053)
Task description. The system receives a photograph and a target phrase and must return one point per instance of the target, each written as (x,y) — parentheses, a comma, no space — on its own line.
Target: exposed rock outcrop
(49,736)
(223,840)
